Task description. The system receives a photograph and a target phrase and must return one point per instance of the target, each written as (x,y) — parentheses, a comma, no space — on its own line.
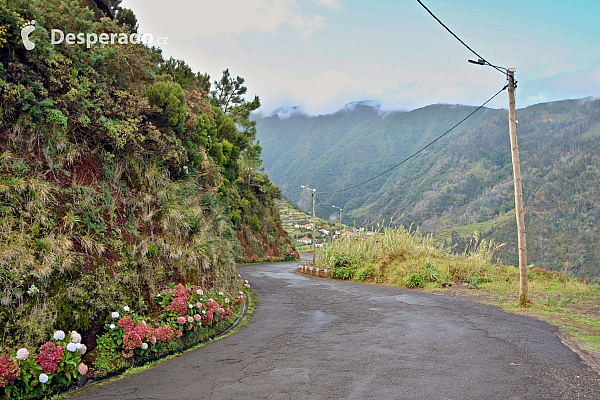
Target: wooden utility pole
(512,124)
(314,227)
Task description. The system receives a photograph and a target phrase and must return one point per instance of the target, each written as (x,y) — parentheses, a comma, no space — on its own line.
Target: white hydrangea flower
(114,314)
(126,309)
(72,347)
(43,378)
(190,306)
(144,346)
(59,335)
(112,326)
(22,354)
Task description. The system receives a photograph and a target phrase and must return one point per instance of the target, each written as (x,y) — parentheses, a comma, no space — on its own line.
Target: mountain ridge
(465,178)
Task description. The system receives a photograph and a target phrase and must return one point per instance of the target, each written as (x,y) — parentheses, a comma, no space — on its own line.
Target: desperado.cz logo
(26,30)
(57,37)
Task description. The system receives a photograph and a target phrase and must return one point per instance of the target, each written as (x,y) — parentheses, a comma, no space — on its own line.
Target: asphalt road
(320,339)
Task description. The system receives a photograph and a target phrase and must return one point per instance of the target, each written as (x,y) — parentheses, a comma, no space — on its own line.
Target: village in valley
(299,227)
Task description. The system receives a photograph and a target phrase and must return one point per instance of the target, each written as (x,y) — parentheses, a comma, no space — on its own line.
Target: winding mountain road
(313,338)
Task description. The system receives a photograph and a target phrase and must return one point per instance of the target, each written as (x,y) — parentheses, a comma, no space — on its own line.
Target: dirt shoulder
(578,320)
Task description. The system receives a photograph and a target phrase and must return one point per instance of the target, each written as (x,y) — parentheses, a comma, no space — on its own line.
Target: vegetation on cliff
(120,172)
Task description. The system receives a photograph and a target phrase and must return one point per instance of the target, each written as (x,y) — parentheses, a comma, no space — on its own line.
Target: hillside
(120,172)
(462,183)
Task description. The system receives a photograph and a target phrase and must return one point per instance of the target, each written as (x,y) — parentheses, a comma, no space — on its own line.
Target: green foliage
(170,99)
(364,273)
(430,273)
(342,272)
(344,265)
(475,279)
(414,280)
(255,223)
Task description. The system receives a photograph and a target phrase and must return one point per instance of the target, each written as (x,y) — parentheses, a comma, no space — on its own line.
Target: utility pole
(314,196)
(512,124)
(314,224)
(341,226)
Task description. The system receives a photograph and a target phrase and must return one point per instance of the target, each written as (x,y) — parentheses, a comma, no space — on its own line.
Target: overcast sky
(322,54)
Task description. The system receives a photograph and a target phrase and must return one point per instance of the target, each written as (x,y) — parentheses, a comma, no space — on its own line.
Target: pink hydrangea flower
(49,357)
(190,319)
(82,368)
(226,301)
(75,337)
(197,317)
(9,371)
(199,305)
(181,320)
(200,292)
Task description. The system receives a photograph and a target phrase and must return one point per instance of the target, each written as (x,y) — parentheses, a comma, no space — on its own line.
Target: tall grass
(395,255)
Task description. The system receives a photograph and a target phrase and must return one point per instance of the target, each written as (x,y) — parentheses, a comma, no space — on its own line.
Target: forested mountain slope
(463,182)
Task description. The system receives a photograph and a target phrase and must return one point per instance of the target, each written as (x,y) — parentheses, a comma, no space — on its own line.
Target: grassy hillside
(463,182)
(120,172)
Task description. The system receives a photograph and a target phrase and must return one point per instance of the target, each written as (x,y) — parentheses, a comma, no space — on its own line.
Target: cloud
(224,18)
(327,3)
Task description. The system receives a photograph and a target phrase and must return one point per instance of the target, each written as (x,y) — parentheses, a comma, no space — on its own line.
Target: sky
(322,54)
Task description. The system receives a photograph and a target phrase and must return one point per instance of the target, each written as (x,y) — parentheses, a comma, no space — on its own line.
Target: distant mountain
(461,183)
(287,112)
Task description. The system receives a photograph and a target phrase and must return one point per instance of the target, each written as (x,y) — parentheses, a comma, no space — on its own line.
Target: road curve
(313,338)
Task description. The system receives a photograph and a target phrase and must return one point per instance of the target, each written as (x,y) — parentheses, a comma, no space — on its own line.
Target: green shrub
(170,98)
(364,273)
(475,279)
(341,260)
(255,223)
(342,272)
(415,280)
(430,273)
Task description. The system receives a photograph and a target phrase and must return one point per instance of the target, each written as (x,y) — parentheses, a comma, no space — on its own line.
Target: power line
(421,150)
(503,70)
(324,208)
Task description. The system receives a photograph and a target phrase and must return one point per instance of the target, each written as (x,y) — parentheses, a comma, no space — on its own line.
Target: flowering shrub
(291,255)
(9,371)
(248,258)
(187,308)
(49,357)
(183,312)
(253,259)
(25,374)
